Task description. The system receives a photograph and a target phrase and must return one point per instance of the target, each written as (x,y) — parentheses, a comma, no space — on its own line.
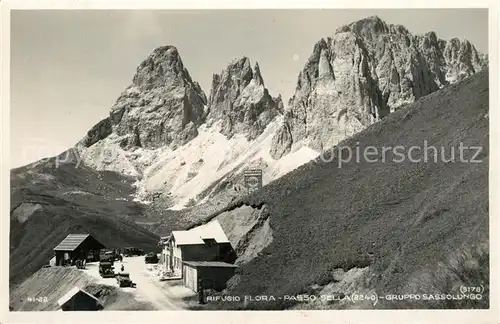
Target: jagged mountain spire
(162,107)
(240,101)
(257,76)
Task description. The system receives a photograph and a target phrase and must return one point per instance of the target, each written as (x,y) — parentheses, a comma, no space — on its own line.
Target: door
(194,279)
(189,277)
(184,276)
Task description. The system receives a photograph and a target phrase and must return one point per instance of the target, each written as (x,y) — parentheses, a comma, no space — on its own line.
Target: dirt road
(162,295)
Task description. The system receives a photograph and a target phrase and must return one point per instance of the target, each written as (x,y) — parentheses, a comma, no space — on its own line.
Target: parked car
(151,258)
(123,280)
(106,269)
(131,251)
(80,264)
(107,255)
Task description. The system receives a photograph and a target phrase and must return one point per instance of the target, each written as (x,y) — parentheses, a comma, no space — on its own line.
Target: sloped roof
(212,264)
(164,240)
(71,242)
(211,230)
(75,290)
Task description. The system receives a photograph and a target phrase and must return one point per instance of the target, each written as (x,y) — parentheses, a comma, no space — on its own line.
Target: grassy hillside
(401,220)
(49,202)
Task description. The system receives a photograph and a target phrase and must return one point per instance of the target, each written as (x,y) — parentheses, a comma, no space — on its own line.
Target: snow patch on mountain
(186,172)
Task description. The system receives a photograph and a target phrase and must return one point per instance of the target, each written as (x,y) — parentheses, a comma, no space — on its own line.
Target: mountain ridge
(356,77)
(365,71)
(50,200)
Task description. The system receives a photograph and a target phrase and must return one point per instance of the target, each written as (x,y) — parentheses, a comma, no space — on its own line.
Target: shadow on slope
(49,202)
(400,219)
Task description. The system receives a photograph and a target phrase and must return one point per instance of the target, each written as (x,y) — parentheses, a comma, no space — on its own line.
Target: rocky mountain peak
(432,37)
(162,67)
(368,27)
(240,101)
(366,70)
(257,75)
(162,107)
(462,59)
(240,69)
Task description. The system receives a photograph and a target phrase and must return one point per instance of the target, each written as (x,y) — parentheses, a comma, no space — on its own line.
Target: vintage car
(123,280)
(131,251)
(151,258)
(106,269)
(107,255)
(80,264)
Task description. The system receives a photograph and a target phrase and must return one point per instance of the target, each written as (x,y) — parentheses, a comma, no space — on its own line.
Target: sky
(69,67)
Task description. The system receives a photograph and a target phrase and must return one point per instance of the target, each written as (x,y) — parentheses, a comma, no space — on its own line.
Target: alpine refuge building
(79,300)
(77,247)
(201,253)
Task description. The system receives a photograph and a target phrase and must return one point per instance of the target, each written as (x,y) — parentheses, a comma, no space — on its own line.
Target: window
(209,242)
